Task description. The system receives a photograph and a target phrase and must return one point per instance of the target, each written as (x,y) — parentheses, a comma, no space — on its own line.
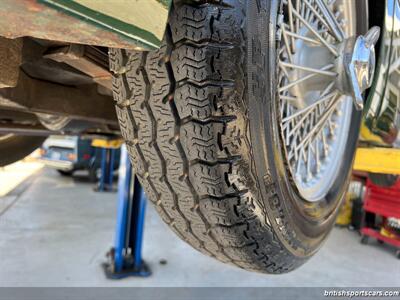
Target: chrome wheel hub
(358,62)
(323,70)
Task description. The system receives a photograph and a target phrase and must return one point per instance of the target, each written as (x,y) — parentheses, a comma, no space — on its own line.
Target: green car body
(130,21)
(138,24)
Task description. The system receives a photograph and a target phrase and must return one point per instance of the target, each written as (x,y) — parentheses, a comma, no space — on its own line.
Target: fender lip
(79,23)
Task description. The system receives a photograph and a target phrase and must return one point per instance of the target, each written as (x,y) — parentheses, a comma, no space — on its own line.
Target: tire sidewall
(300,225)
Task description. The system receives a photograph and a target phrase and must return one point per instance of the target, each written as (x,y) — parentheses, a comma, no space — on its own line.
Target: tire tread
(183,114)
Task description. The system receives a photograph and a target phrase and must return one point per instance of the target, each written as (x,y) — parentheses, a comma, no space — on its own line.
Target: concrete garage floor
(54,231)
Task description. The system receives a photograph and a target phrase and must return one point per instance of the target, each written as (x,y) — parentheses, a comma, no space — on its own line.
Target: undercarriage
(51,87)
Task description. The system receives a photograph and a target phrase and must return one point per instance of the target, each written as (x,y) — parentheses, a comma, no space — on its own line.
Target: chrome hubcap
(358,61)
(323,69)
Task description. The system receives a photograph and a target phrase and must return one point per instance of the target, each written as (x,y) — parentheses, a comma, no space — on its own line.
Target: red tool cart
(383,202)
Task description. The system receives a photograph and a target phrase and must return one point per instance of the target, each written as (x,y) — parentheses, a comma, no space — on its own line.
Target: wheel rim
(315,116)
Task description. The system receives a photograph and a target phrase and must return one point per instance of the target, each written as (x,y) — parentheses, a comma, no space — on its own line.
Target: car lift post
(125,258)
(108,152)
(107,166)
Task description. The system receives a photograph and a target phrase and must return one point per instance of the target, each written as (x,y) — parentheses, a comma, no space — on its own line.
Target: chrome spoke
(316,33)
(291,22)
(314,114)
(304,38)
(288,49)
(308,108)
(312,70)
(318,125)
(331,19)
(300,80)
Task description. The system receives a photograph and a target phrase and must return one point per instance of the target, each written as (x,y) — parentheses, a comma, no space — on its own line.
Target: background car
(68,154)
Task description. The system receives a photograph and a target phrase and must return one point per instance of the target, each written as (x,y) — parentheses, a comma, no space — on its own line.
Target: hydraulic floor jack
(125,258)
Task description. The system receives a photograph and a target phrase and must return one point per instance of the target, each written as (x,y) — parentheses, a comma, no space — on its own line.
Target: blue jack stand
(125,258)
(107,170)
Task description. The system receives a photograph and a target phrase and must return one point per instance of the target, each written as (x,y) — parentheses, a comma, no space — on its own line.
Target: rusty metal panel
(19,18)
(88,60)
(10,60)
(80,103)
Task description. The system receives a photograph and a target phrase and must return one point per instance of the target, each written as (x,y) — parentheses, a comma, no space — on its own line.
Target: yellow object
(367,135)
(388,234)
(378,160)
(344,216)
(102,143)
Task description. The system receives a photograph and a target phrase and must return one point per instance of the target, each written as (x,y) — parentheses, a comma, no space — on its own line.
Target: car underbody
(56,88)
(54,70)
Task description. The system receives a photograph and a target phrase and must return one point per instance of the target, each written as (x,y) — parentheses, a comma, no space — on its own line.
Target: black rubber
(65,173)
(199,122)
(16,147)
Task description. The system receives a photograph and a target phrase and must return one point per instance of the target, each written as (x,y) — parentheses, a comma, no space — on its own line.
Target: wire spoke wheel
(315,116)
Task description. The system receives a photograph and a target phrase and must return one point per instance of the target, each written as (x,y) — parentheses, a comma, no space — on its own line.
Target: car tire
(93,173)
(200,123)
(65,173)
(15,147)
